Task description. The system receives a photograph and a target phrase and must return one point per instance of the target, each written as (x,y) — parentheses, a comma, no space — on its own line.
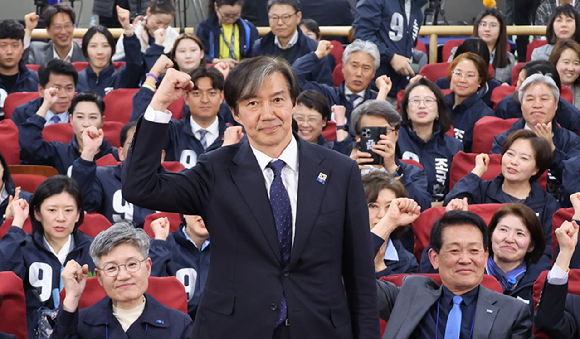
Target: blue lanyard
(464,114)
(437,325)
(230,47)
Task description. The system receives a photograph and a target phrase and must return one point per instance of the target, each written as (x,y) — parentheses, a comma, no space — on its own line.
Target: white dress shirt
(68,57)
(292,42)
(213,130)
(62,116)
(64,251)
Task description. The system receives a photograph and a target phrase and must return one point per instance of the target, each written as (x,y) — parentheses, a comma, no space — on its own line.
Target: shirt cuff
(27,43)
(157,116)
(557,276)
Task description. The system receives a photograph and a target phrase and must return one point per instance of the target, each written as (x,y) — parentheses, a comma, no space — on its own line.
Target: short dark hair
(6,177)
(162,7)
(53,186)
(312,26)
(473,45)
(89,35)
(125,130)
(540,146)
(529,218)
(316,101)
(247,78)
(50,11)
(566,10)
(501,44)
(217,79)
(87,96)
(457,218)
(56,67)
(221,3)
(293,3)
(480,64)
(444,117)
(182,37)
(562,46)
(11,29)
(543,67)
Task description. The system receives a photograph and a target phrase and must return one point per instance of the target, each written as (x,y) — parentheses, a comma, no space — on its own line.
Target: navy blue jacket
(335,95)
(407,262)
(484,93)
(567,145)
(208,31)
(305,45)
(108,79)
(101,188)
(10,189)
(27,80)
(570,184)
(179,257)
(27,256)
(35,151)
(98,321)
(479,191)
(567,115)
(384,22)
(25,111)
(435,155)
(465,115)
(415,181)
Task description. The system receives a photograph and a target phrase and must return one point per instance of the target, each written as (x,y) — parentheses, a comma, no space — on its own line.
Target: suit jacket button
(286,273)
(274,307)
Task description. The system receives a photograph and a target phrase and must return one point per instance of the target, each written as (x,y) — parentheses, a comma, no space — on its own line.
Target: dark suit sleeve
(387,294)
(145,185)
(160,254)
(141,100)
(357,261)
(553,316)
(522,327)
(130,75)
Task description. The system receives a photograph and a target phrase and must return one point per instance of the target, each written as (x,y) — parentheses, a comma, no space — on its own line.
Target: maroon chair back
(499,93)
(337,75)
(16,99)
(13,310)
(435,71)
(112,130)
(486,129)
(119,104)
(9,142)
(174,221)
(533,45)
(62,132)
(448,46)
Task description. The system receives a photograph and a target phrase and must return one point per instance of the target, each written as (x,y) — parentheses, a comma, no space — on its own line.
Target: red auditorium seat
(463,164)
(448,46)
(13,310)
(62,132)
(337,75)
(499,93)
(561,215)
(27,228)
(421,47)
(80,65)
(516,72)
(28,182)
(486,129)
(16,99)
(177,109)
(174,221)
(167,290)
(93,224)
(412,162)
(119,104)
(533,45)
(435,71)
(173,166)
(337,51)
(573,288)
(33,67)
(112,130)
(107,160)
(567,94)
(118,64)
(329,132)
(9,142)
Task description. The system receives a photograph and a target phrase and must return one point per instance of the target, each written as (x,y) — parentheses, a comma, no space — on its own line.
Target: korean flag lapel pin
(322,178)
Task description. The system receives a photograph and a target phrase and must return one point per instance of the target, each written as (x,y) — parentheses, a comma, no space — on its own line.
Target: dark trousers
(524,14)
(281,332)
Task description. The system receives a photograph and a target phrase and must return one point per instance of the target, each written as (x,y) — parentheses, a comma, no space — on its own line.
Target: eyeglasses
(490,24)
(310,121)
(274,18)
(375,208)
(66,27)
(112,269)
(416,102)
(229,16)
(468,76)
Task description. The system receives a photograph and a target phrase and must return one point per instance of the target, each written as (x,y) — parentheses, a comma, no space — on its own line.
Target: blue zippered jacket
(435,155)
(28,257)
(305,45)
(127,76)
(465,115)
(208,31)
(384,22)
(179,257)
(567,115)
(101,188)
(27,80)
(25,111)
(35,151)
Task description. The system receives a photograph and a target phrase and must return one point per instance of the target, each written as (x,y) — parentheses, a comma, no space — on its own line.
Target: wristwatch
(397,173)
(342,127)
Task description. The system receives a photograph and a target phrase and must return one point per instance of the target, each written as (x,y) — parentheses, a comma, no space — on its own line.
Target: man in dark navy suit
(291,252)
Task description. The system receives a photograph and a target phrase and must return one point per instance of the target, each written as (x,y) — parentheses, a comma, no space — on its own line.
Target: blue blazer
(329,284)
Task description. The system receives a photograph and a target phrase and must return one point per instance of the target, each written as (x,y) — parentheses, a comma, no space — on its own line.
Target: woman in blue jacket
(525,157)
(422,134)
(56,212)
(467,73)
(225,35)
(99,47)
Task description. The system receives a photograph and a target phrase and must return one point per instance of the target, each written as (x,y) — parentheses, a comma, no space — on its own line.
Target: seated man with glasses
(225,35)
(287,41)
(123,269)
(60,25)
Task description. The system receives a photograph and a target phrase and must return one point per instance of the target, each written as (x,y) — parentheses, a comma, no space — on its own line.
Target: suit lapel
(248,177)
(485,313)
(420,305)
(49,52)
(310,193)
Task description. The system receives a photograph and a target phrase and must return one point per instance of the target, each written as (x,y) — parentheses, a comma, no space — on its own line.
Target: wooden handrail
(432,31)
